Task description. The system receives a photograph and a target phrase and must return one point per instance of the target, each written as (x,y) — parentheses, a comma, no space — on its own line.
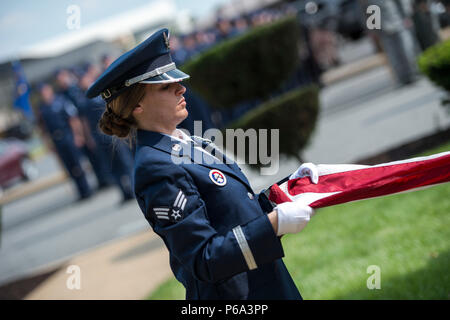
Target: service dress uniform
(56,117)
(95,156)
(221,242)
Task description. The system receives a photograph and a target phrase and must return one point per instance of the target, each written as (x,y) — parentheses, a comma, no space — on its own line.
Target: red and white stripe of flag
(341,183)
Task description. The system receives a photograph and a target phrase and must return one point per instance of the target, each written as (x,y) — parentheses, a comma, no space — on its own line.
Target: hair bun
(112,124)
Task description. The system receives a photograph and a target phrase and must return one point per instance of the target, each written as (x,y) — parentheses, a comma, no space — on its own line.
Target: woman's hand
(307,169)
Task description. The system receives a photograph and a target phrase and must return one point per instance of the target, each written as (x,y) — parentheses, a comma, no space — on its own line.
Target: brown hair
(118,120)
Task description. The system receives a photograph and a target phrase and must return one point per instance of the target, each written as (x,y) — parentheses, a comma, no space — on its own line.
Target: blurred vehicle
(22,130)
(14,125)
(15,163)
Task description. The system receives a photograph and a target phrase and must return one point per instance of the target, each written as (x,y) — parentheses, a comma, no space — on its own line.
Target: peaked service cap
(149,62)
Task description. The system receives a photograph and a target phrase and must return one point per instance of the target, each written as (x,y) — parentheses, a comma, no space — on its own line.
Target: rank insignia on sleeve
(162,213)
(178,207)
(173,213)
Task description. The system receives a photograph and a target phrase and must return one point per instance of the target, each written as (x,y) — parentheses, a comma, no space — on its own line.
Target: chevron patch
(173,213)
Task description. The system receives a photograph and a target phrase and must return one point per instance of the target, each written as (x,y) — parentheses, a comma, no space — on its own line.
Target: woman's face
(162,108)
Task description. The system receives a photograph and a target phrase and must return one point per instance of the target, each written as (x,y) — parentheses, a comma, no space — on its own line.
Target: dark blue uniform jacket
(221,243)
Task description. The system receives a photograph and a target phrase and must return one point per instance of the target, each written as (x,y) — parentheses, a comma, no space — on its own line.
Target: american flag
(341,183)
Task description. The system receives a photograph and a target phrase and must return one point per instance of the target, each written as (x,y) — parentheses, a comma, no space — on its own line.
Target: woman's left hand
(307,169)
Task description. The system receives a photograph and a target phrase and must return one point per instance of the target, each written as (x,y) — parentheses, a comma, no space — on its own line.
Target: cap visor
(174,75)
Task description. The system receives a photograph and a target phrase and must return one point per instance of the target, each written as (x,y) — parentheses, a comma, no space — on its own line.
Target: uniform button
(250,196)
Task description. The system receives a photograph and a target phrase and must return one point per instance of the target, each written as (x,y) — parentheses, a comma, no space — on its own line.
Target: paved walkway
(128,268)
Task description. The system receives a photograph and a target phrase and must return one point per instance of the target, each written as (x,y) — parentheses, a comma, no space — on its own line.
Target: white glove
(292,217)
(307,169)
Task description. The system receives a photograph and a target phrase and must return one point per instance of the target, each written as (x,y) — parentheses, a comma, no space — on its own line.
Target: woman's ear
(138,110)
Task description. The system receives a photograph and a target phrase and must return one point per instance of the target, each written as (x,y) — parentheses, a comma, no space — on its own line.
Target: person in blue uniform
(69,88)
(60,120)
(223,239)
(115,155)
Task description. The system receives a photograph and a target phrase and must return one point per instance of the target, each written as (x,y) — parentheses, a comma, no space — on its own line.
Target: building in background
(90,43)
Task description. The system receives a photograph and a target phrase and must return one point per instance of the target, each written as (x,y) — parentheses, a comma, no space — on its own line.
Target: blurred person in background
(60,121)
(204,40)
(68,85)
(92,69)
(310,67)
(426,24)
(321,21)
(397,37)
(116,155)
(324,43)
(240,24)
(189,46)
(106,60)
(179,54)
(444,17)
(224,29)
(260,17)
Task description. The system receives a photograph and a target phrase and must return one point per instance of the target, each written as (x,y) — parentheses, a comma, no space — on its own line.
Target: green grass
(169,290)
(406,235)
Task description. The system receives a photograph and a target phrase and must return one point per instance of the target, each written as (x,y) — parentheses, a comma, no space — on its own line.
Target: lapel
(166,144)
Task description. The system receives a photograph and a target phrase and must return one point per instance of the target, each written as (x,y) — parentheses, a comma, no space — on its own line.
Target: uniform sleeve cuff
(262,240)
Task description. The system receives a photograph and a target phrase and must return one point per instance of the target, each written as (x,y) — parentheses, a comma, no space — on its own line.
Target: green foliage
(435,63)
(294,113)
(254,66)
(250,66)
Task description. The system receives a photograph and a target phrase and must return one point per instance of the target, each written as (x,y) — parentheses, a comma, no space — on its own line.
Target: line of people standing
(70,120)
